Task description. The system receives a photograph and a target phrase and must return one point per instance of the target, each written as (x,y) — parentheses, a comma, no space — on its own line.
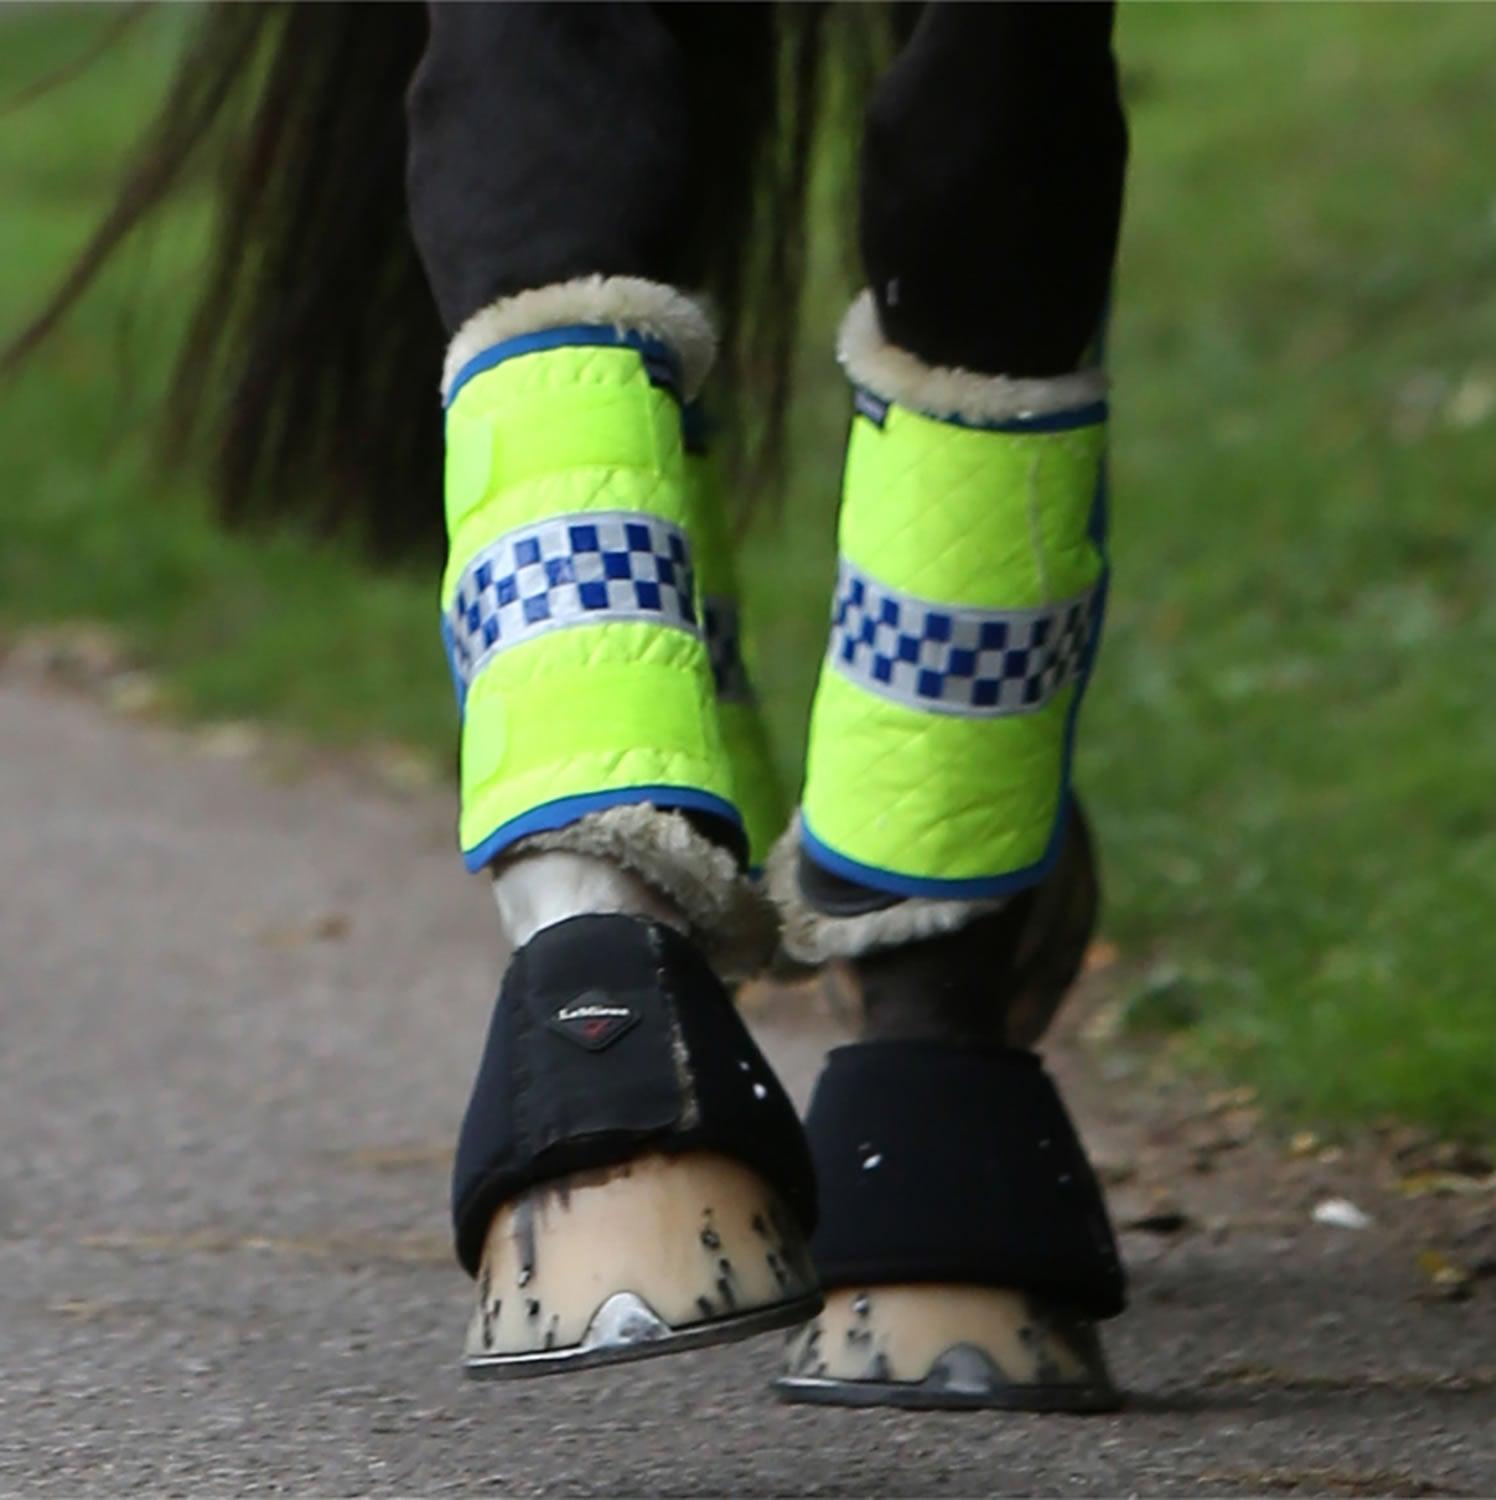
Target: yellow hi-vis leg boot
(755,782)
(963,1241)
(630,1177)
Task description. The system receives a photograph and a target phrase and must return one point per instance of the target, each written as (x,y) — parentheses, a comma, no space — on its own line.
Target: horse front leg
(630,1177)
(963,1242)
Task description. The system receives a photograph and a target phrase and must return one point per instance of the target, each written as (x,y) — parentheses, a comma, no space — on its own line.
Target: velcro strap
(939,1163)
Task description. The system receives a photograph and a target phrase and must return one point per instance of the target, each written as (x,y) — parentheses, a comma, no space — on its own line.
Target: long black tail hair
(308,368)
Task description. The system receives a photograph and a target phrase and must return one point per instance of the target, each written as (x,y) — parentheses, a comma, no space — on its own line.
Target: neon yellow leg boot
(963,1241)
(630,1178)
(755,781)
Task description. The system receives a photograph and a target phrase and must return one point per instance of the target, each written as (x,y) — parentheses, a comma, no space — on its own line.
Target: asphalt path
(239,1008)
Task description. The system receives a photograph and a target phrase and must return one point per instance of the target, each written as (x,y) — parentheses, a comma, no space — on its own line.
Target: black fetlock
(1002,976)
(630,1176)
(964,1243)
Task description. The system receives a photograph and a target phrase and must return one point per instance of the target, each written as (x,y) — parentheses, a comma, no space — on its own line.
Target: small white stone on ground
(1341,1213)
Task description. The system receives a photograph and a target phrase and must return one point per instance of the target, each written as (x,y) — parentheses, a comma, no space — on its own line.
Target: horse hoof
(944,1346)
(661,1254)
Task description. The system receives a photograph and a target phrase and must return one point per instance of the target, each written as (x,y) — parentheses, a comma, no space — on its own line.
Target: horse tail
(309,366)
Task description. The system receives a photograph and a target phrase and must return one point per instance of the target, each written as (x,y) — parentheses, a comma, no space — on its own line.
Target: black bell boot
(963,1242)
(630,1179)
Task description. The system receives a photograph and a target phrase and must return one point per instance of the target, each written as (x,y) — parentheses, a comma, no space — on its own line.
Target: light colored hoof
(661,1254)
(947,1346)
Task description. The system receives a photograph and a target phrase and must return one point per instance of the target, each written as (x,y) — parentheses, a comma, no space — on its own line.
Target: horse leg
(630,1177)
(963,1241)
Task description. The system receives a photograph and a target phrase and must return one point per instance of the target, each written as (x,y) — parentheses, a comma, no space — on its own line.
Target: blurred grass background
(1288,748)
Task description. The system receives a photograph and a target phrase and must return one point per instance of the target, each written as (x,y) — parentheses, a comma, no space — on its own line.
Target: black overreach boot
(963,1241)
(631,1178)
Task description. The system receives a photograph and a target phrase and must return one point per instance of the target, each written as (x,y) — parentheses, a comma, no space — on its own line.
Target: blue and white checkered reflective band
(724,647)
(953,660)
(584,569)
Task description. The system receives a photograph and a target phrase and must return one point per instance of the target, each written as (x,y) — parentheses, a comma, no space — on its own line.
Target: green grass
(275,627)
(1287,747)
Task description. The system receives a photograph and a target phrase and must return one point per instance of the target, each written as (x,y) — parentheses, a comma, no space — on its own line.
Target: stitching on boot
(690,1114)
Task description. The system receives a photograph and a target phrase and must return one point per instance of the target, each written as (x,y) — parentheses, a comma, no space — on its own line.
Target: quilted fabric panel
(584,711)
(567,430)
(939,730)
(570,601)
(991,520)
(932,796)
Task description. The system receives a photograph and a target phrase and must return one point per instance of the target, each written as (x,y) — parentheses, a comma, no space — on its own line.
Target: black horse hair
(308,374)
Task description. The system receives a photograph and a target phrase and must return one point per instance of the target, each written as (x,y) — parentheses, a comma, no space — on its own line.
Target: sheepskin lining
(811,937)
(628,303)
(944,391)
(700,880)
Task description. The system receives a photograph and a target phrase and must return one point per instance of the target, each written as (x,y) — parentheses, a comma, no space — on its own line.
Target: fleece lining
(886,370)
(629,304)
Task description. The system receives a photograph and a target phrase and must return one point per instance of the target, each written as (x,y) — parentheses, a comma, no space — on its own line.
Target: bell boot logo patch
(593,1021)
